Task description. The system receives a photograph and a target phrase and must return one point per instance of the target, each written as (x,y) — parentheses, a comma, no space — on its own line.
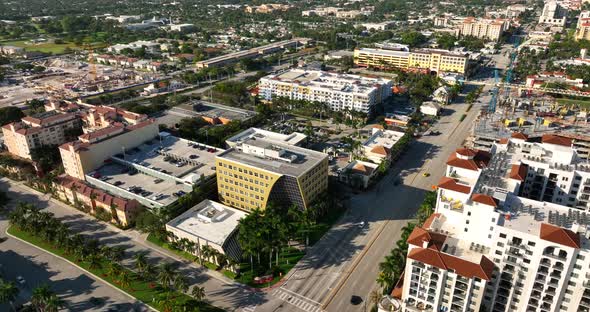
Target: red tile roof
(101,196)
(518,172)
(559,235)
(519,135)
(484,199)
(380,149)
(419,236)
(430,219)
(466,152)
(450,184)
(398,289)
(479,160)
(556,140)
(483,269)
(504,141)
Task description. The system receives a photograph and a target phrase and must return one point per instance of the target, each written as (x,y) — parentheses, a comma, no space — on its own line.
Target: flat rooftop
(209,220)
(329,81)
(526,215)
(454,243)
(199,158)
(115,173)
(385,138)
(305,158)
(289,139)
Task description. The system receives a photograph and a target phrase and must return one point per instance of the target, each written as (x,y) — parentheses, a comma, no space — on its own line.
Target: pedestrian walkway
(297,300)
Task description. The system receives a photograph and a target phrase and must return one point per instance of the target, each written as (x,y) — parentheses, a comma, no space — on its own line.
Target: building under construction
(531,117)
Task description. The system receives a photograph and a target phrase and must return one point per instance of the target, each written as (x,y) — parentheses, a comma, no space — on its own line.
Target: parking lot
(158,172)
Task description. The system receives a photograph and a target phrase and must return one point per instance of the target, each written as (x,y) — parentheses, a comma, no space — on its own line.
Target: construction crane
(91,62)
(494,99)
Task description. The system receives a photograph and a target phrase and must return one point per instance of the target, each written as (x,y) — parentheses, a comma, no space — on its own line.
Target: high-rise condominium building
(507,233)
(430,60)
(483,28)
(259,169)
(337,91)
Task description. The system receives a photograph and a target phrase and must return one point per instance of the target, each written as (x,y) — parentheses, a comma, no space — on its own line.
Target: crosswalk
(249,308)
(297,300)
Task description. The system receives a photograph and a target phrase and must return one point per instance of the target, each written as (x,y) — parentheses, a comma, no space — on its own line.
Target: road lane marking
(296,300)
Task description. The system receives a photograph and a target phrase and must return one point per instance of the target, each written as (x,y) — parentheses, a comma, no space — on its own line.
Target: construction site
(69,78)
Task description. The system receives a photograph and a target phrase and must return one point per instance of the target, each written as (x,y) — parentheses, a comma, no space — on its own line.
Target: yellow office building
(431,60)
(257,171)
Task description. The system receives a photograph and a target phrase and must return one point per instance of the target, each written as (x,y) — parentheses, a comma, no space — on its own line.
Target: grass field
(147,292)
(579,103)
(48,47)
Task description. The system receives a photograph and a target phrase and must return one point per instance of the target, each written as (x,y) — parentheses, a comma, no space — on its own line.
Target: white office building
(338,91)
(489,247)
(553,14)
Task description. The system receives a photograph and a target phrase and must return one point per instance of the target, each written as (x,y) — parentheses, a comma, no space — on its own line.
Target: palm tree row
(203,253)
(44,225)
(391,269)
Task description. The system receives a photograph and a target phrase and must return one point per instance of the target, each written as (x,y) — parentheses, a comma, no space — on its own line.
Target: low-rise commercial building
(261,170)
(430,108)
(358,174)
(11,50)
(211,224)
(378,146)
(430,60)
(338,91)
(44,129)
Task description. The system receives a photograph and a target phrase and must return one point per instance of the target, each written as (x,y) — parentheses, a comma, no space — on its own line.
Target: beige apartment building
(45,129)
(90,151)
(483,28)
(433,60)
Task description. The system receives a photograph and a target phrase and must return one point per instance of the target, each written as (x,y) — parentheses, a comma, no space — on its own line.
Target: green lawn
(41,47)
(141,290)
(580,103)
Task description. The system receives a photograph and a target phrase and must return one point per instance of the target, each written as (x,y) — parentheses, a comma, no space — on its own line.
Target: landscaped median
(152,294)
(287,260)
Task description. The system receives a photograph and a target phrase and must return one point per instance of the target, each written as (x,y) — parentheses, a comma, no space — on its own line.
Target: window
(465,229)
(502,235)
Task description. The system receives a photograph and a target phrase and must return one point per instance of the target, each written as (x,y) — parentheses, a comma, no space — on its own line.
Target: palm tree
(140,263)
(180,283)
(166,274)
(53,304)
(93,197)
(41,295)
(374,297)
(124,279)
(114,269)
(114,213)
(94,262)
(198,292)
(150,271)
(8,292)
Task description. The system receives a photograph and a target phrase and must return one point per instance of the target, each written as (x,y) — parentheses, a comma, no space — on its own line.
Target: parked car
(156,181)
(21,280)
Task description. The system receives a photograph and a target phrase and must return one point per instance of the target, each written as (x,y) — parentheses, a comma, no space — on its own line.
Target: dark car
(356,300)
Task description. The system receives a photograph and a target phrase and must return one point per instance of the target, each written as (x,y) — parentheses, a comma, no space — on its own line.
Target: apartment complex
(258,170)
(583,26)
(506,235)
(92,149)
(430,60)
(43,129)
(483,28)
(338,91)
(553,14)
